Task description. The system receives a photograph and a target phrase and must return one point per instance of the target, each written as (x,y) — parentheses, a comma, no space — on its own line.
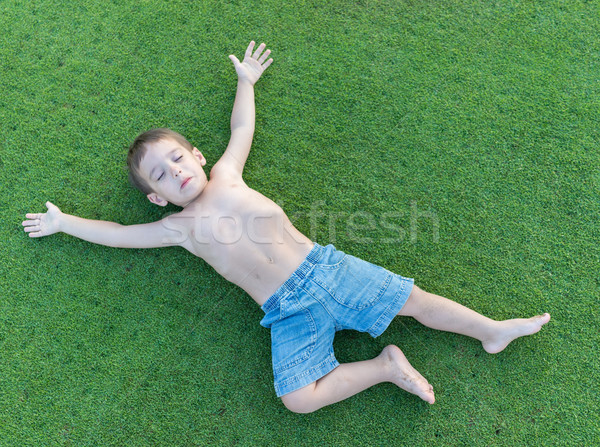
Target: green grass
(483,115)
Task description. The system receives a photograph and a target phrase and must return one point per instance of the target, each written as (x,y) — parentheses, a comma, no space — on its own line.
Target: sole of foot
(405,376)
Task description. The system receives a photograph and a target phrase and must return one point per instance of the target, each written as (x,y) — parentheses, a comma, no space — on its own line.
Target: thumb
(234,59)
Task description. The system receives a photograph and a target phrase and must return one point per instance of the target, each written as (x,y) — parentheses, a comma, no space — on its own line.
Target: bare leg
(441,313)
(351,378)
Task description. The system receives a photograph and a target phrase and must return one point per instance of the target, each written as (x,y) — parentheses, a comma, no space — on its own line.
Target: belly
(259,260)
(264,278)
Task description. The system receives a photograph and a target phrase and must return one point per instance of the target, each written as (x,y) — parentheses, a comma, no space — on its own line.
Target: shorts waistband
(301,272)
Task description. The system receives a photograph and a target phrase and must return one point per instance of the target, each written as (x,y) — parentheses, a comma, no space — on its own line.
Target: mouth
(185,182)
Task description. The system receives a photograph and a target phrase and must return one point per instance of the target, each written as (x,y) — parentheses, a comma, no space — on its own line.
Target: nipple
(270,260)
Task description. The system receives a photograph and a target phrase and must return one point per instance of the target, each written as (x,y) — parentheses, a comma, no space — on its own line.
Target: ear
(156,199)
(199,156)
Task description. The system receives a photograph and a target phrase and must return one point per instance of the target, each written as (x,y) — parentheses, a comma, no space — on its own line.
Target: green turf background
(456,142)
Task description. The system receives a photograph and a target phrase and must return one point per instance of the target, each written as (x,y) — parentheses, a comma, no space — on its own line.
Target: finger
(38,234)
(33,216)
(264,56)
(249,49)
(32,229)
(266,64)
(29,223)
(259,50)
(234,59)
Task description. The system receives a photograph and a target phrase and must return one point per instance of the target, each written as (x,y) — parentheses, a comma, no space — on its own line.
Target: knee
(300,401)
(414,303)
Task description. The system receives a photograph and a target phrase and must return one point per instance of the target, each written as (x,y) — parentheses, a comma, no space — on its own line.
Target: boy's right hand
(43,224)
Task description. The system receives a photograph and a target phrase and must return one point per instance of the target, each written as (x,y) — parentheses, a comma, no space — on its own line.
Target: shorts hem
(392,310)
(306,377)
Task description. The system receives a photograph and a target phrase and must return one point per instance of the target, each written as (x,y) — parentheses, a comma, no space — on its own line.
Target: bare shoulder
(227,169)
(223,187)
(226,193)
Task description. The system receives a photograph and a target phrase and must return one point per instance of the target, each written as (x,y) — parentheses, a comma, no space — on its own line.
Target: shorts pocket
(352,282)
(293,337)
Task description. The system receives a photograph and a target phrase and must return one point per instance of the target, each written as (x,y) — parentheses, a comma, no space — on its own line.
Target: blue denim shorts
(330,291)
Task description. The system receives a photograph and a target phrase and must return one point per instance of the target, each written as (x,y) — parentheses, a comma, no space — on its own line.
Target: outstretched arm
(249,72)
(155,234)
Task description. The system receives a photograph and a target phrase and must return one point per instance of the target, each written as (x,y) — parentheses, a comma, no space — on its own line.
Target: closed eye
(179,158)
(160,176)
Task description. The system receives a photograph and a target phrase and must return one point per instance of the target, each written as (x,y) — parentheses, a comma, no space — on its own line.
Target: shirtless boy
(307,291)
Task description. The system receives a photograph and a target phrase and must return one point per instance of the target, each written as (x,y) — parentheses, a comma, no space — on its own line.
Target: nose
(175,170)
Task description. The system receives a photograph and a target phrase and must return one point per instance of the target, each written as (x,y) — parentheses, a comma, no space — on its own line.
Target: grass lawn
(456,142)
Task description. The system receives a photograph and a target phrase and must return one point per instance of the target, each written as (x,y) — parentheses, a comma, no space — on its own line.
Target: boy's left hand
(253,65)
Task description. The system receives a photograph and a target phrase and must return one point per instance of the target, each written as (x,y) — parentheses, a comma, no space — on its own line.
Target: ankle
(387,363)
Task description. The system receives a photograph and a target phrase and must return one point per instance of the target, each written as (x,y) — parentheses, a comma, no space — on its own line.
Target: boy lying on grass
(307,291)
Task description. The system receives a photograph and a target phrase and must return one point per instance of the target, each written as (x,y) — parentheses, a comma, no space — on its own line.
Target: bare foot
(508,330)
(404,375)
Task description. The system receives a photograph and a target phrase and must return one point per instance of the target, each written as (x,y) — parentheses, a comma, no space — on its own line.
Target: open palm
(253,65)
(43,224)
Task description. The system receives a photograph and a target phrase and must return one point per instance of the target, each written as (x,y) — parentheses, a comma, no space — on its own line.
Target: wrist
(62,222)
(245,82)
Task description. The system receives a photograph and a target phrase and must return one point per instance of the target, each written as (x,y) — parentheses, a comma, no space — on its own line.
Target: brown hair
(138,149)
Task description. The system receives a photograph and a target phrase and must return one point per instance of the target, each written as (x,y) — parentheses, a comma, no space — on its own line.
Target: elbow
(242,130)
(118,237)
